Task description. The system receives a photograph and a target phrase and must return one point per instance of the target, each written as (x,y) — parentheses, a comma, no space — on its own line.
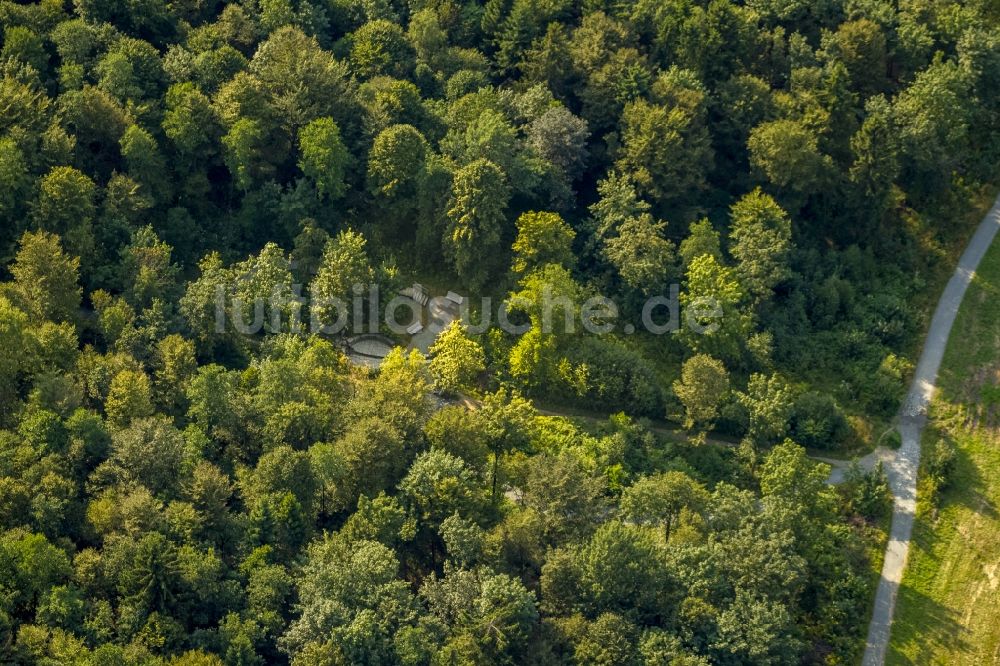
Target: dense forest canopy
(176,492)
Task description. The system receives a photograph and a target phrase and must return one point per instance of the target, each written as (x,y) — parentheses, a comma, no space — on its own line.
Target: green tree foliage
(148,272)
(400,395)
(565,496)
(344,264)
(131,71)
(542,238)
(380,47)
(241,146)
(633,243)
(641,254)
(861,46)
(65,206)
(176,364)
(665,149)
(186,478)
(619,203)
(150,452)
(370,457)
(428,37)
(761,240)
(302,82)
(13,181)
(789,475)
(264,284)
(617,570)
(204,301)
(489,135)
(388,101)
(714,321)
(308,250)
(560,138)
(437,485)
(522,23)
(24,45)
(350,601)
(702,388)
(396,162)
(45,278)
(507,426)
(534,358)
(702,239)
(16,344)
(145,162)
(488,614)
(476,215)
(768,401)
(129,397)
(456,360)
(297,386)
(29,566)
(818,421)
(787,155)
(189,121)
(324,158)
(876,153)
(659,500)
(933,117)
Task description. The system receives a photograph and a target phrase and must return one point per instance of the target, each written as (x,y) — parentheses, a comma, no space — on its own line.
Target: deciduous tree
(641,254)
(344,264)
(396,162)
(702,239)
(45,278)
(129,397)
(560,138)
(495,611)
(713,320)
(65,206)
(761,240)
(323,157)
(769,402)
(476,217)
(786,153)
(380,47)
(302,82)
(542,238)
(438,485)
(659,499)
(456,359)
(665,149)
(703,386)
(150,452)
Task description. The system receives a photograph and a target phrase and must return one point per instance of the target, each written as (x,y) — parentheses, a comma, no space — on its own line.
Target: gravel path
(902,468)
(838,468)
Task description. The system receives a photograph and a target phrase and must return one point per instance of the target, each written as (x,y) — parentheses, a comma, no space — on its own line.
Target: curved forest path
(902,468)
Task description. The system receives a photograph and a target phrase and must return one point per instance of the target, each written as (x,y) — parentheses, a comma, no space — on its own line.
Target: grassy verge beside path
(948,610)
